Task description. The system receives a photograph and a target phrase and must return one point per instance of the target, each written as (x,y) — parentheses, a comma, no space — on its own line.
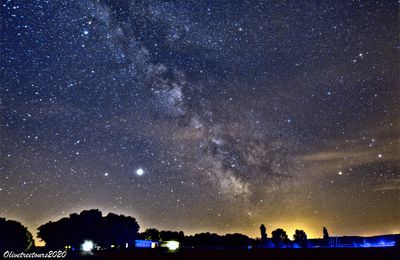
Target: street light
(87,246)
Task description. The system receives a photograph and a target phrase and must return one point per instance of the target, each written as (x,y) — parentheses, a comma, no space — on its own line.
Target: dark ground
(315,253)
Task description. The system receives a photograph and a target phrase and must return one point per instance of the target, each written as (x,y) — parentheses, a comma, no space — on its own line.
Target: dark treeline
(214,240)
(89,224)
(117,231)
(198,240)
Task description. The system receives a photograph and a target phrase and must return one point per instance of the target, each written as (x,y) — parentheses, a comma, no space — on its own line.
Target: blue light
(145,244)
(379,244)
(386,244)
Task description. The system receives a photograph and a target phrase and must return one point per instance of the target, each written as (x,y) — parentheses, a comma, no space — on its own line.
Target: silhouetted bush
(280,238)
(300,237)
(151,234)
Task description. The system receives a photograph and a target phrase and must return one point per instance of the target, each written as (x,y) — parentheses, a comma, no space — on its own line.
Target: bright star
(139,171)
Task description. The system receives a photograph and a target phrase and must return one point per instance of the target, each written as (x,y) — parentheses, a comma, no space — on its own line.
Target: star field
(202,116)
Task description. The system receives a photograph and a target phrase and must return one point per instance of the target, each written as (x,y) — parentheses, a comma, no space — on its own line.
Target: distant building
(145,244)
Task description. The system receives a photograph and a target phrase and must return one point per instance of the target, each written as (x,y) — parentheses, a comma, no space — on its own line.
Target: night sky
(203,115)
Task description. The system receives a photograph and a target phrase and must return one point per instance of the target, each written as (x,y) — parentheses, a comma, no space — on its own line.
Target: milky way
(201,116)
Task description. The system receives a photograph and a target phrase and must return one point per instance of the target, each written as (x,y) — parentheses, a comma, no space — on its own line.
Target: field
(316,253)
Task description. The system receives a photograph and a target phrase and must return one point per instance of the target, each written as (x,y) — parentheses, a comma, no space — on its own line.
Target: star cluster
(221,115)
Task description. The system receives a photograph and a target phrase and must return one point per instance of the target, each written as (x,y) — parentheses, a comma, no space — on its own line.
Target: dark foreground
(315,253)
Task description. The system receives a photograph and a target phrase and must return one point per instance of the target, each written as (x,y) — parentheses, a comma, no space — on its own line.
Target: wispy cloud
(352,155)
(393,185)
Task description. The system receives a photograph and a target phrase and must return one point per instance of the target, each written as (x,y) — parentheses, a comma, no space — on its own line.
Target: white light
(380,155)
(340,173)
(87,246)
(106,174)
(139,171)
(172,245)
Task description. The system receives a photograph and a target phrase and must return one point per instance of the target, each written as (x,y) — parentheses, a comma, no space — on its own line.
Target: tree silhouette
(263,233)
(279,238)
(120,229)
(300,237)
(14,236)
(73,230)
(325,236)
(89,225)
(151,234)
(172,235)
(236,240)
(204,240)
